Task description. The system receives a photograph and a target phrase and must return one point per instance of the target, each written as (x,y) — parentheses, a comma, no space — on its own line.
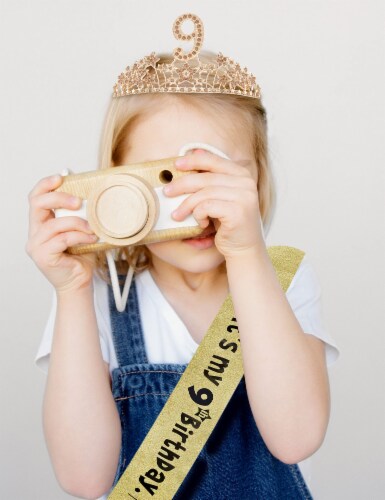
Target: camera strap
(194,407)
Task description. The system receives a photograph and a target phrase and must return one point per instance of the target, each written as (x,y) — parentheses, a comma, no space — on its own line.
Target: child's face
(161,134)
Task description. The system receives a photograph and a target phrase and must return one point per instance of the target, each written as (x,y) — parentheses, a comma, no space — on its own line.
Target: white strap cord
(201,145)
(121,298)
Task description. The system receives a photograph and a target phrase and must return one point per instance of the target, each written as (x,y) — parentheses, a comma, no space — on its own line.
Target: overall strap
(193,409)
(127,329)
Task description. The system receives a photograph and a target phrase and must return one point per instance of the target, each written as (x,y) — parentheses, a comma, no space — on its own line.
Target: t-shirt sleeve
(44,350)
(305,298)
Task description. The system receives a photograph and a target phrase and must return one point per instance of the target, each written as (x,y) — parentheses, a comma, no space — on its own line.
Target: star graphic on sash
(203,414)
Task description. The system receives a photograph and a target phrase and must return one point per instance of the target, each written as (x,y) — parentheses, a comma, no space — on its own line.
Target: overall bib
(233,464)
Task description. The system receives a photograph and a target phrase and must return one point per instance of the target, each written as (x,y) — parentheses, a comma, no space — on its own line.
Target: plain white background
(321,68)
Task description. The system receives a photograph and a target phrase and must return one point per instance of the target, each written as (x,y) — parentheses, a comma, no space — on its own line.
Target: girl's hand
(49,237)
(224,191)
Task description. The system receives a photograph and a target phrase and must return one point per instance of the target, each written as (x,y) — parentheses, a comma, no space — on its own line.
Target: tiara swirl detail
(187,73)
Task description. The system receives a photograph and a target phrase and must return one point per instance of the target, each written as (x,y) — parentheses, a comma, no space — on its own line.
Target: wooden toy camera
(125,205)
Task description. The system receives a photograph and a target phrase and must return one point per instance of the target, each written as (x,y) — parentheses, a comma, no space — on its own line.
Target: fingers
(59,227)
(204,160)
(41,206)
(43,200)
(247,198)
(62,241)
(192,183)
(55,226)
(53,200)
(56,235)
(45,185)
(47,233)
(214,171)
(51,252)
(220,210)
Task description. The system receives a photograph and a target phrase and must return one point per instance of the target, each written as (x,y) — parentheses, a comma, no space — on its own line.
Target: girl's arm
(81,422)
(285,369)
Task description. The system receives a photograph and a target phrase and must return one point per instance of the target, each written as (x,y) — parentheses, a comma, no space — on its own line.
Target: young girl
(110,373)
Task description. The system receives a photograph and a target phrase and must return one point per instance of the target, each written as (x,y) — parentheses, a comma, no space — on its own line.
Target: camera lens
(165,176)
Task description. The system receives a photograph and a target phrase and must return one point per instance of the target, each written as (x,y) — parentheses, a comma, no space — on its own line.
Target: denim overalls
(234,463)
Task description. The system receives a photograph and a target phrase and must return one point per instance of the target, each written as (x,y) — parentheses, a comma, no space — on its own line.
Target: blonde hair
(124,112)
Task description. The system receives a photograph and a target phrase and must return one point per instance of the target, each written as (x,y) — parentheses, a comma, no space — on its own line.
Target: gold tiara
(186,74)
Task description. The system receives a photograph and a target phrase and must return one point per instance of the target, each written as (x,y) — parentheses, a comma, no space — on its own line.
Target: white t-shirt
(173,343)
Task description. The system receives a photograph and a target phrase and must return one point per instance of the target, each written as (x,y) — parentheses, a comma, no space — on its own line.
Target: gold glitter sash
(191,412)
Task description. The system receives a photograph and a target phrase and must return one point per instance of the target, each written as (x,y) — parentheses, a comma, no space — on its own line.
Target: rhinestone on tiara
(186,73)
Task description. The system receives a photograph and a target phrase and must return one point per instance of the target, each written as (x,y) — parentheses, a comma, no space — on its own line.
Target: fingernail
(180,162)
(56,177)
(75,200)
(167,189)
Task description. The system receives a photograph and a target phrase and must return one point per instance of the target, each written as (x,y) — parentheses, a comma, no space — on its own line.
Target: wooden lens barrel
(122,209)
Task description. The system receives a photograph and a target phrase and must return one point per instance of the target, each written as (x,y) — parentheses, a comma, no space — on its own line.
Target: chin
(185,256)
